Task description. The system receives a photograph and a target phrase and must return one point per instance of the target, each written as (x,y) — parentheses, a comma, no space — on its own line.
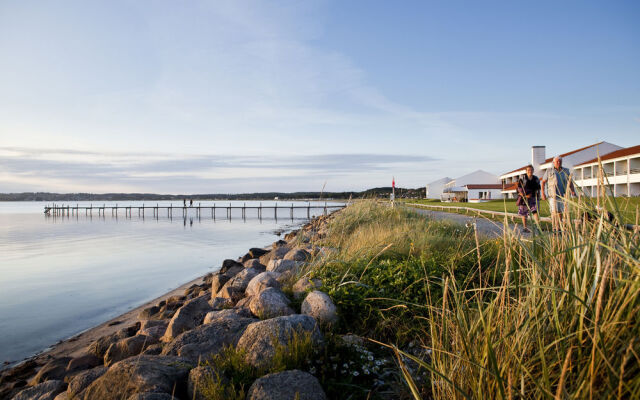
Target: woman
(528,191)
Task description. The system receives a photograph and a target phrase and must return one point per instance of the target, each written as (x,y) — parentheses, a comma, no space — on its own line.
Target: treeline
(382,192)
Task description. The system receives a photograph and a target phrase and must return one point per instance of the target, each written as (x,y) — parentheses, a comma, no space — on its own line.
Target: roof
(484,186)
(515,170)
(510,187)
(571,152)
(615,154)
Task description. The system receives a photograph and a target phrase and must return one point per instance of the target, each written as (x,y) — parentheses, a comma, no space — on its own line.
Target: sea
(61,275)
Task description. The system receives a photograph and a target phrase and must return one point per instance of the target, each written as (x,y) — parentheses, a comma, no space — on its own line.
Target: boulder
(320,306)
(126,348)
(55,369)
(153,350)
(220,303)
(231,293)
(241,280)
(62,396)
(187,317)
(84,362)
(217,282)
(270,303)
(154,329)
(151,396)
(287,385)
(262,281)
(298,255)
(207,278)
(43,391)
(255,263)
(282,266)
(197,383)
(100,346)
(259,338)
(149,312)
(144,374)
(279,252)
(303,285)
(205,340)
(229,313)
(256,252)
(244,302)
(81,381)
(228,264)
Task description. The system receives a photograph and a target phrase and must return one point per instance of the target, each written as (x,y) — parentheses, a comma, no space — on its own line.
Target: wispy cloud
(165,172)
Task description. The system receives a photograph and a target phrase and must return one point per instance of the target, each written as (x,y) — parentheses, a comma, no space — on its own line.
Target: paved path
(485,226)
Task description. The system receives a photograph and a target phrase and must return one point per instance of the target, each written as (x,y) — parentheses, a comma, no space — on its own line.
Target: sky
(247,96)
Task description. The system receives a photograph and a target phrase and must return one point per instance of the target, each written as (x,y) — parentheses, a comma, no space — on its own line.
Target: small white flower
(370,358)
(356,373)
(345,365)
(366,371)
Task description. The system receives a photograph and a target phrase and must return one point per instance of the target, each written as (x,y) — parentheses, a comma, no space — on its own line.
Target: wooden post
(275,211)
(308,210)
(325,208)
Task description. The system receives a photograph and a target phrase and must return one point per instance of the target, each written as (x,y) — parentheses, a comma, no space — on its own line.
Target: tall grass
(554,316)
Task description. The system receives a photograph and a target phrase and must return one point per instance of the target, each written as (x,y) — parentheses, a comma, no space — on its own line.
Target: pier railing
(184,210)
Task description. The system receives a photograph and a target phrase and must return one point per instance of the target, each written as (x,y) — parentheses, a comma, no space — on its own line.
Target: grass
(557,316)
(627,206)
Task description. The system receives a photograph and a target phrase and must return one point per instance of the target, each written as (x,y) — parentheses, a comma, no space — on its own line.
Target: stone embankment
(252,303)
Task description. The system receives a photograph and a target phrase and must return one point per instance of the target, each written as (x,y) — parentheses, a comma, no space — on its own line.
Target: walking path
(485,226)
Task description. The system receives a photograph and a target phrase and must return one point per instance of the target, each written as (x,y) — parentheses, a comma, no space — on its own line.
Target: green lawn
(628,206)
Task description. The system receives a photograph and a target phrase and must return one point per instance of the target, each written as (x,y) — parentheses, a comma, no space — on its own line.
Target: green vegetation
(626,206)
(557,316)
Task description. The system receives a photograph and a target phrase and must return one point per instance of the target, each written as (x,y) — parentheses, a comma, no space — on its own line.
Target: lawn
(628,206)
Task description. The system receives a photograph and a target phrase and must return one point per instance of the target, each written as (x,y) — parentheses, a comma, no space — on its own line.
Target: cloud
(172,173)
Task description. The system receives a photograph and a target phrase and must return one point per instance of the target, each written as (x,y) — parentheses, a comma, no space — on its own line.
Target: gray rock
(279,252)
(144,374)
(43,391)
(217,282)
(55,369)
(205,340)
(220,303)
(81,381)
(128,347)
(255,263)
(320,306)
(187,317)
(149,312)
(270,303)
(262,281)
(153,350)
(62,396)
(259,337)
(256,252)
(153,328)
(100,346)
(241,280)
(229,313)
(231,293)
(287,385)
(82,363)
(303,285)
(283,266)
(198,379)
(152,396)
(298,255)
(229,264)
(244,302)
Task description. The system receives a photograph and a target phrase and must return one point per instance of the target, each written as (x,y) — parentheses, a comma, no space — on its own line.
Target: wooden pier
(183,211)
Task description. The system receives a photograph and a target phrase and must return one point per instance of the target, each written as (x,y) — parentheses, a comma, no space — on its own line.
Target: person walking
(528,192)
(558,179)
(190,202)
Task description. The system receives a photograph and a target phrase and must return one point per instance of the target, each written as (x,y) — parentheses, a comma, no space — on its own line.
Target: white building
(434,189)
(621,173)
(541,165)
(478,186)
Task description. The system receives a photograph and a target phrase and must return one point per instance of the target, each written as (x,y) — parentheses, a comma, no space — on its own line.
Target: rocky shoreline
(255,304)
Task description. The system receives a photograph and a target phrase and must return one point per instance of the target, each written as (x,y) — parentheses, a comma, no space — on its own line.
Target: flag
(393,182)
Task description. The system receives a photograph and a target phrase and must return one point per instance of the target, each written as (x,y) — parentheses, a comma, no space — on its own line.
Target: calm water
(62,275)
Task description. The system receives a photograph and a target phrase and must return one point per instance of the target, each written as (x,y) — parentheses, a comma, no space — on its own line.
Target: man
(558,179)
(528,190)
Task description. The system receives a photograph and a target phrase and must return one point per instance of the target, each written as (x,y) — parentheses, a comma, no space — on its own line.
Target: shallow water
(62,275)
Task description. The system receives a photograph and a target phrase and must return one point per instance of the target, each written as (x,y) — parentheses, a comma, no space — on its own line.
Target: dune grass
(557,316)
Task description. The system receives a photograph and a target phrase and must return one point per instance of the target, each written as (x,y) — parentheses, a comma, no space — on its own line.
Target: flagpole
(393,192)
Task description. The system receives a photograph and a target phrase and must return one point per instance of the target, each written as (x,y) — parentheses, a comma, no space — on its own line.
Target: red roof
(615,154)
(571,152)
(516,170)
(510,187)
(485,186)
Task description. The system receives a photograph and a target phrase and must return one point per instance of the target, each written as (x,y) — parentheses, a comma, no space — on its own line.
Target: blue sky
(243,96)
